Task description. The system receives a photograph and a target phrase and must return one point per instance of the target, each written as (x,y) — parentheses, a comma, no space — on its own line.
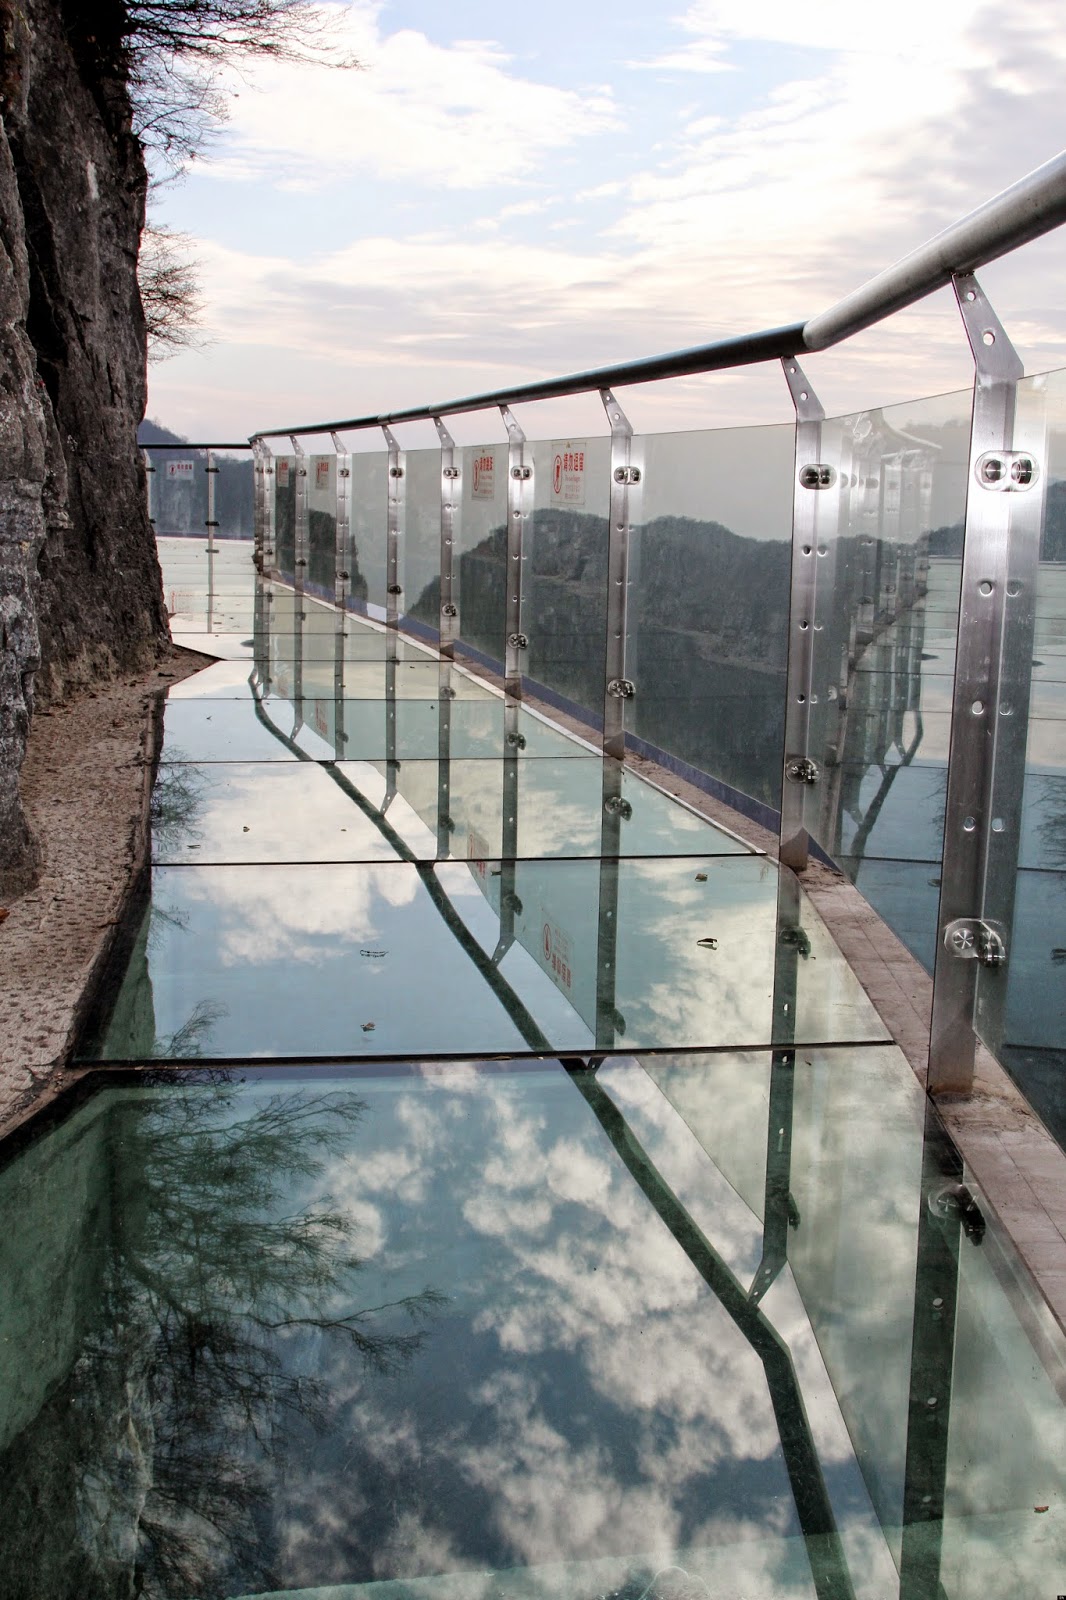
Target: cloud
(691,222)
(455,114)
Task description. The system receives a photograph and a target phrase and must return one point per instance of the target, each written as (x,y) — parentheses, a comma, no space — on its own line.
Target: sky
(505,194)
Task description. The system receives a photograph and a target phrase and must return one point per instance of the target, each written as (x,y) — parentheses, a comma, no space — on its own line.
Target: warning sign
(322,473)
(180,469)
(558,954)
(283,473)
(483,476)
(568,473)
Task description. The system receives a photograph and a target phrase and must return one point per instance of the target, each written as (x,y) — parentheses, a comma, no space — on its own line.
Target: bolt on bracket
(971,939)
(801,769)
(1005,471)
(622,688)
(818,475)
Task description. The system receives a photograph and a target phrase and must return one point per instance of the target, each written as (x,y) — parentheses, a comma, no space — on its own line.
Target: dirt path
(86,786)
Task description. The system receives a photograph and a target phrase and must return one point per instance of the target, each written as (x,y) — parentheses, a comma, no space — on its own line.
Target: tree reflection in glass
(148,1470)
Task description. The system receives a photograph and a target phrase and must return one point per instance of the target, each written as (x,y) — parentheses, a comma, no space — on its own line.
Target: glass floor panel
(469,1331)
(278,729)
(305,1297)
(504,956)
(310,811)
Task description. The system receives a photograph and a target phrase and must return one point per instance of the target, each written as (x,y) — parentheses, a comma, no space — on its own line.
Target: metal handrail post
(519,489)
(394,529)
(448,625)
(618,684)
(300,537)
(812,477)
(989,714)
(342,534)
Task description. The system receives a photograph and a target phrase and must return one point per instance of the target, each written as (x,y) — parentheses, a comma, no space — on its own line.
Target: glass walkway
(493,1183)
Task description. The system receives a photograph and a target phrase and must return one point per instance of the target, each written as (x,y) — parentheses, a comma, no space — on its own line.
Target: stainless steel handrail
(1033,206)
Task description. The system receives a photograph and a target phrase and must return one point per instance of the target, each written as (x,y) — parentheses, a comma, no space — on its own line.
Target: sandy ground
(86,785)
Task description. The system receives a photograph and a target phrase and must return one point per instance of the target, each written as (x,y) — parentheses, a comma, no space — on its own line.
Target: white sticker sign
(568,472)
(322,473)
(283,473)
(180,469)
(483,476)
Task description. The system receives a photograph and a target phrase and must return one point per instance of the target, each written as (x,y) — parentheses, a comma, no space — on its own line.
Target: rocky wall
(80,593)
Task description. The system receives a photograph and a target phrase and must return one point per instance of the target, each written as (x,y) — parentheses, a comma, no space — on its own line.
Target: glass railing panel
(369,519)
(285,514)
(565,581)
(1006,1474)
(857,1136)
(479,562)
(207,589)
(322,524)
(708,610)
(420,566)
(177,494)
(1033,1011)
(888,549)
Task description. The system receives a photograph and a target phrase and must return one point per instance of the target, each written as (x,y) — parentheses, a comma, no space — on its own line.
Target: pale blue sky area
(501,195)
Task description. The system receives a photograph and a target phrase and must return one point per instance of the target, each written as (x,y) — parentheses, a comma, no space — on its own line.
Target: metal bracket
(394,529)
(620,661)
(519,474)
(970,939)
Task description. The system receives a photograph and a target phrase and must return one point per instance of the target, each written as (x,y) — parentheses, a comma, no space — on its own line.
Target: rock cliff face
(80,594)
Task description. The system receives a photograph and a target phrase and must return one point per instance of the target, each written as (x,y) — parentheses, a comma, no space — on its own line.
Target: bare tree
(170,292)
(177,52)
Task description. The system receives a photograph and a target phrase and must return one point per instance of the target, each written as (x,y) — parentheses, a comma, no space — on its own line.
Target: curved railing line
(1033,206)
